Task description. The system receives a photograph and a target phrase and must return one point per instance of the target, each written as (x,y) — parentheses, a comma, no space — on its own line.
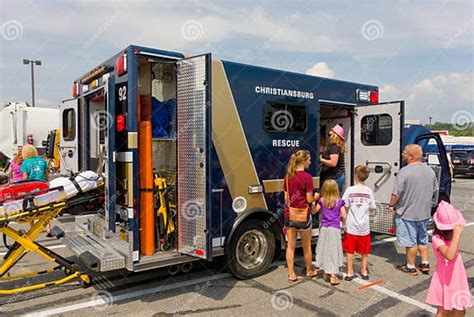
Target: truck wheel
(251,250)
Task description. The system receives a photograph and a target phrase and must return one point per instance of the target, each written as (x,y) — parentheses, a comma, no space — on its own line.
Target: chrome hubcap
(252,249)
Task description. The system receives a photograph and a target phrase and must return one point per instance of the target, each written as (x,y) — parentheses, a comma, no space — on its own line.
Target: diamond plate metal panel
(108,259)
(382,220)
(192,148)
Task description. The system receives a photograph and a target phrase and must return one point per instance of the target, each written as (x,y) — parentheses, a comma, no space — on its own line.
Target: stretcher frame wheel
(85,281)
(25,243)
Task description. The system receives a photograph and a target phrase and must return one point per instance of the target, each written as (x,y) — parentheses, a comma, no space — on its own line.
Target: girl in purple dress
(329,248)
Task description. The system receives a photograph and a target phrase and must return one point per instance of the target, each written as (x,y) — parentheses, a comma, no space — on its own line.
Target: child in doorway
(359,200)
(329,248)
(449,287)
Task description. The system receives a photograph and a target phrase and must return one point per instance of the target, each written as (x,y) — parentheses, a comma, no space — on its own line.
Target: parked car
(463,163)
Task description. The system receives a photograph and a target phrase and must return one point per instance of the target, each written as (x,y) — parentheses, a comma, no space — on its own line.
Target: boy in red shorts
(360,201)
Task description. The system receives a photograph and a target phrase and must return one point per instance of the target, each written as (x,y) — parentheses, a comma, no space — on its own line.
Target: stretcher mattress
(66,188)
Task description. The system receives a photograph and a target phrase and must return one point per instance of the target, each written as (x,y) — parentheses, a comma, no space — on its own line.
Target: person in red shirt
(298,187)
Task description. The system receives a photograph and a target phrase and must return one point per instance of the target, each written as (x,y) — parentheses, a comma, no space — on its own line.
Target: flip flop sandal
(365,277)
(335,281)
(311,274)
(350,278)
(295,280)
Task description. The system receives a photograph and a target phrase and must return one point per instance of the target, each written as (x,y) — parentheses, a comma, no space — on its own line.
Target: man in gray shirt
(412,200)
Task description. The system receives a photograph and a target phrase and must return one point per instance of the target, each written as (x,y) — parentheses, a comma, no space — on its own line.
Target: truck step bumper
(94,253)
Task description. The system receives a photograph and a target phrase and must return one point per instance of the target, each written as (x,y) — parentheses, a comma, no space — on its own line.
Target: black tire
(257,248)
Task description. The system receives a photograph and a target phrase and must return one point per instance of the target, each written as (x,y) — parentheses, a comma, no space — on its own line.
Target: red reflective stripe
(199,252)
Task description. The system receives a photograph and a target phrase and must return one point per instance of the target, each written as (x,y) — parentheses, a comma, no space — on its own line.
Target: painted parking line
(52,247)
(396,295)
(101,301)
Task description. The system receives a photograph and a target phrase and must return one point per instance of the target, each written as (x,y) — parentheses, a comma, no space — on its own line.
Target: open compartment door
(193,144)
(377,144)
(434,154)
(68,143)
(110,182)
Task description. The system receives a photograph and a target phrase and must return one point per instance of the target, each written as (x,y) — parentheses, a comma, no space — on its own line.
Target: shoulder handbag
(296,214)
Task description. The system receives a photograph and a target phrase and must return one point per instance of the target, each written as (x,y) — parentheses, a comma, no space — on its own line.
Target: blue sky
(419,51)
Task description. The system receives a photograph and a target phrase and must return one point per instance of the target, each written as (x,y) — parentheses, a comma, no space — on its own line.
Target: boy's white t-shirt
(359,199)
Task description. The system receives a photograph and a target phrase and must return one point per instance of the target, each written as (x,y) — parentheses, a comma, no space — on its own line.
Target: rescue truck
(193,151)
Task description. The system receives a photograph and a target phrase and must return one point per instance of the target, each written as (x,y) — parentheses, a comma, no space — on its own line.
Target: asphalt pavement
(210,291)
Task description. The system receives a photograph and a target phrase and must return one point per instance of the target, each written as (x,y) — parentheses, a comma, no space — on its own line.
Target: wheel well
(270,221)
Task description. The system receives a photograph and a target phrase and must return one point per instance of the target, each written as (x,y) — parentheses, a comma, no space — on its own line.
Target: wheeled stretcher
(38,208)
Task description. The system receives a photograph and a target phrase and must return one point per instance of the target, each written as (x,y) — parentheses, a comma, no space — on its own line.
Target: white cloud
(438,97)
(71,38)
(321,69)
(389,93)
(124,24)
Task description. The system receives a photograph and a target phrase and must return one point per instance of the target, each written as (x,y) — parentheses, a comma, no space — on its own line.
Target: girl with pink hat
(449,288)
(332,159)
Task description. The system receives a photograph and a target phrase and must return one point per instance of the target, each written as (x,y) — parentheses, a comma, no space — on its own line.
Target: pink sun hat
(339,131)
(446,216)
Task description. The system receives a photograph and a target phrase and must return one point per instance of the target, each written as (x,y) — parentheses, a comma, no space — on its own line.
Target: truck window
(376,129)
(69,124)
(283,117)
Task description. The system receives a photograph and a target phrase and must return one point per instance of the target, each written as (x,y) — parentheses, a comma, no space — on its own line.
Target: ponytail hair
(295,160)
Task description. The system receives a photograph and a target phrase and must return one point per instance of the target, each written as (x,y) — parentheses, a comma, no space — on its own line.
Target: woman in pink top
(449,288)
(14,172)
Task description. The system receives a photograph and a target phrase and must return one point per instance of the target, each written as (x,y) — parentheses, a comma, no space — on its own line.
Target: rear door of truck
(377,143)
(68,144)
(193,147)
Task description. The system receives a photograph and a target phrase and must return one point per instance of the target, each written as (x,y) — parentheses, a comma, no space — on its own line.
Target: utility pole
(32,64)
(430,121)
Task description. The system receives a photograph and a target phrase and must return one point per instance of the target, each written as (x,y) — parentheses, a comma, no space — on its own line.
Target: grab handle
(386,172)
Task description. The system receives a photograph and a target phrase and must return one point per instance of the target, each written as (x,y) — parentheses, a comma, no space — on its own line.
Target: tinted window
(376,129)
(69,125)
(282,117)
(466,155)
